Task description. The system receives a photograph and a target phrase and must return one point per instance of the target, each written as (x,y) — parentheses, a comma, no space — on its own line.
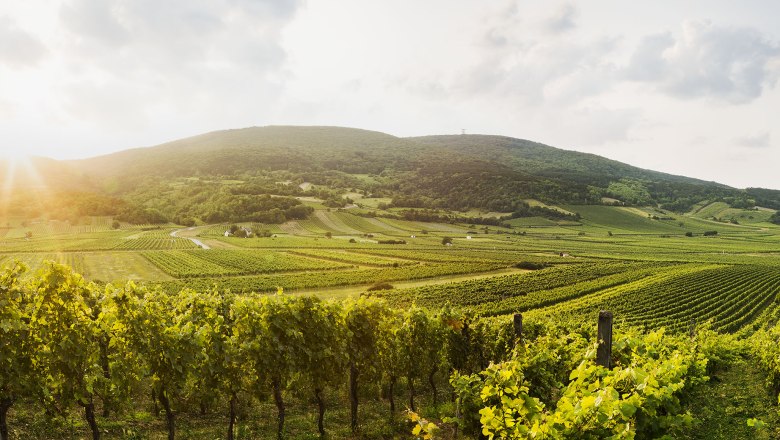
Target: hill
(232,152)
(198,177)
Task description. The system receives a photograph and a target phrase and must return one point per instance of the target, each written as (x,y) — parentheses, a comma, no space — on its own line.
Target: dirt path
(192,239)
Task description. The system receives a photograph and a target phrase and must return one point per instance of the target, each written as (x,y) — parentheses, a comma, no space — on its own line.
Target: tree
(365,321)
(115,224)
(218,369)
(66,337)
(16,351)
(775,218)
(159,328)
(421,340)
(269,338)
(390,356)
(321,357)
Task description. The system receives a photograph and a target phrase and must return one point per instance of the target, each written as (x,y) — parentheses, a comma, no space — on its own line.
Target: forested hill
(544,160)
(460,172)
(246,150)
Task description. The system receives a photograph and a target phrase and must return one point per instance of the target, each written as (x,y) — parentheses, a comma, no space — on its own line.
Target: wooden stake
(518,325)
(604,352)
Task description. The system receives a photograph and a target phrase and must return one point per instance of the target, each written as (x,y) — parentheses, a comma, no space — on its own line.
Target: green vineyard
(438,320)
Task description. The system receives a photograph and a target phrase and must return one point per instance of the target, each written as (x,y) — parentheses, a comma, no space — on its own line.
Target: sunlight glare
(13,155)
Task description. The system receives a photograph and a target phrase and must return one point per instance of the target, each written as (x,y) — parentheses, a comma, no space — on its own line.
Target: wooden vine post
(604,352)
(517,323)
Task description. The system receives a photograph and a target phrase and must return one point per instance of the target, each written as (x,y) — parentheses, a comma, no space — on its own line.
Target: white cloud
(761,140)
(18,48)
(132,62)
(705,60)
(563,19)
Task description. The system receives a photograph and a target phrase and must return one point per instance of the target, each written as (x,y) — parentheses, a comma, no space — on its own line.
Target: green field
(337,248)
(645,270)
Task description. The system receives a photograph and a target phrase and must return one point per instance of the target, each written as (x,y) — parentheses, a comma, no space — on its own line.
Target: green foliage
(65,332)
(17,350)
(629,191)
(639,398)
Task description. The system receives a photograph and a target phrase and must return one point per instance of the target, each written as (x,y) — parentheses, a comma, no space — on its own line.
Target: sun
(17,172)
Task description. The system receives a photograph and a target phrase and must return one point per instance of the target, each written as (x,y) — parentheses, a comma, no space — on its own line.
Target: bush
(446,240)
(710,233)
(380,286)
(530,266)
(689,234)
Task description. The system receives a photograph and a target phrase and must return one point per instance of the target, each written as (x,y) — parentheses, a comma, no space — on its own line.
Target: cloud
(7,109)
(730,64)
(563,19)
(519,60)
(17,47)
(132,60)
(595,126)
(761,140)
(177,35)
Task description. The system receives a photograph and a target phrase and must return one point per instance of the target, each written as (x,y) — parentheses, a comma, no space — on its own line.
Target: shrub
(380,286)
(528,265)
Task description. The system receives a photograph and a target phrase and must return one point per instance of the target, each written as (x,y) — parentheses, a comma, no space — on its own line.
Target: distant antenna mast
(462,131)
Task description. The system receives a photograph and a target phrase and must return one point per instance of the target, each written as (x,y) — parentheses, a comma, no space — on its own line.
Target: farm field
(556,273)
(612,254)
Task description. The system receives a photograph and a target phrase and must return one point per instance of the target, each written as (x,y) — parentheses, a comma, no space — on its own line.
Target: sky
(688,88)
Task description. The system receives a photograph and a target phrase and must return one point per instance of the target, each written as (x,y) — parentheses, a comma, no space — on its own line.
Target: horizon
(681,89)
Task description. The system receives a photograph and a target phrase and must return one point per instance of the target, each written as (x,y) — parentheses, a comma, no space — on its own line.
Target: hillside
(195,178)
(231,152)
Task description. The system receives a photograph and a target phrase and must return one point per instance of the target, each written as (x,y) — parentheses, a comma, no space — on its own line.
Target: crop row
(354,258)
(495,289)
(640,274)
(730,297)
(442,256)
(317,280)
(253,262)
(155,243)
(181,264)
